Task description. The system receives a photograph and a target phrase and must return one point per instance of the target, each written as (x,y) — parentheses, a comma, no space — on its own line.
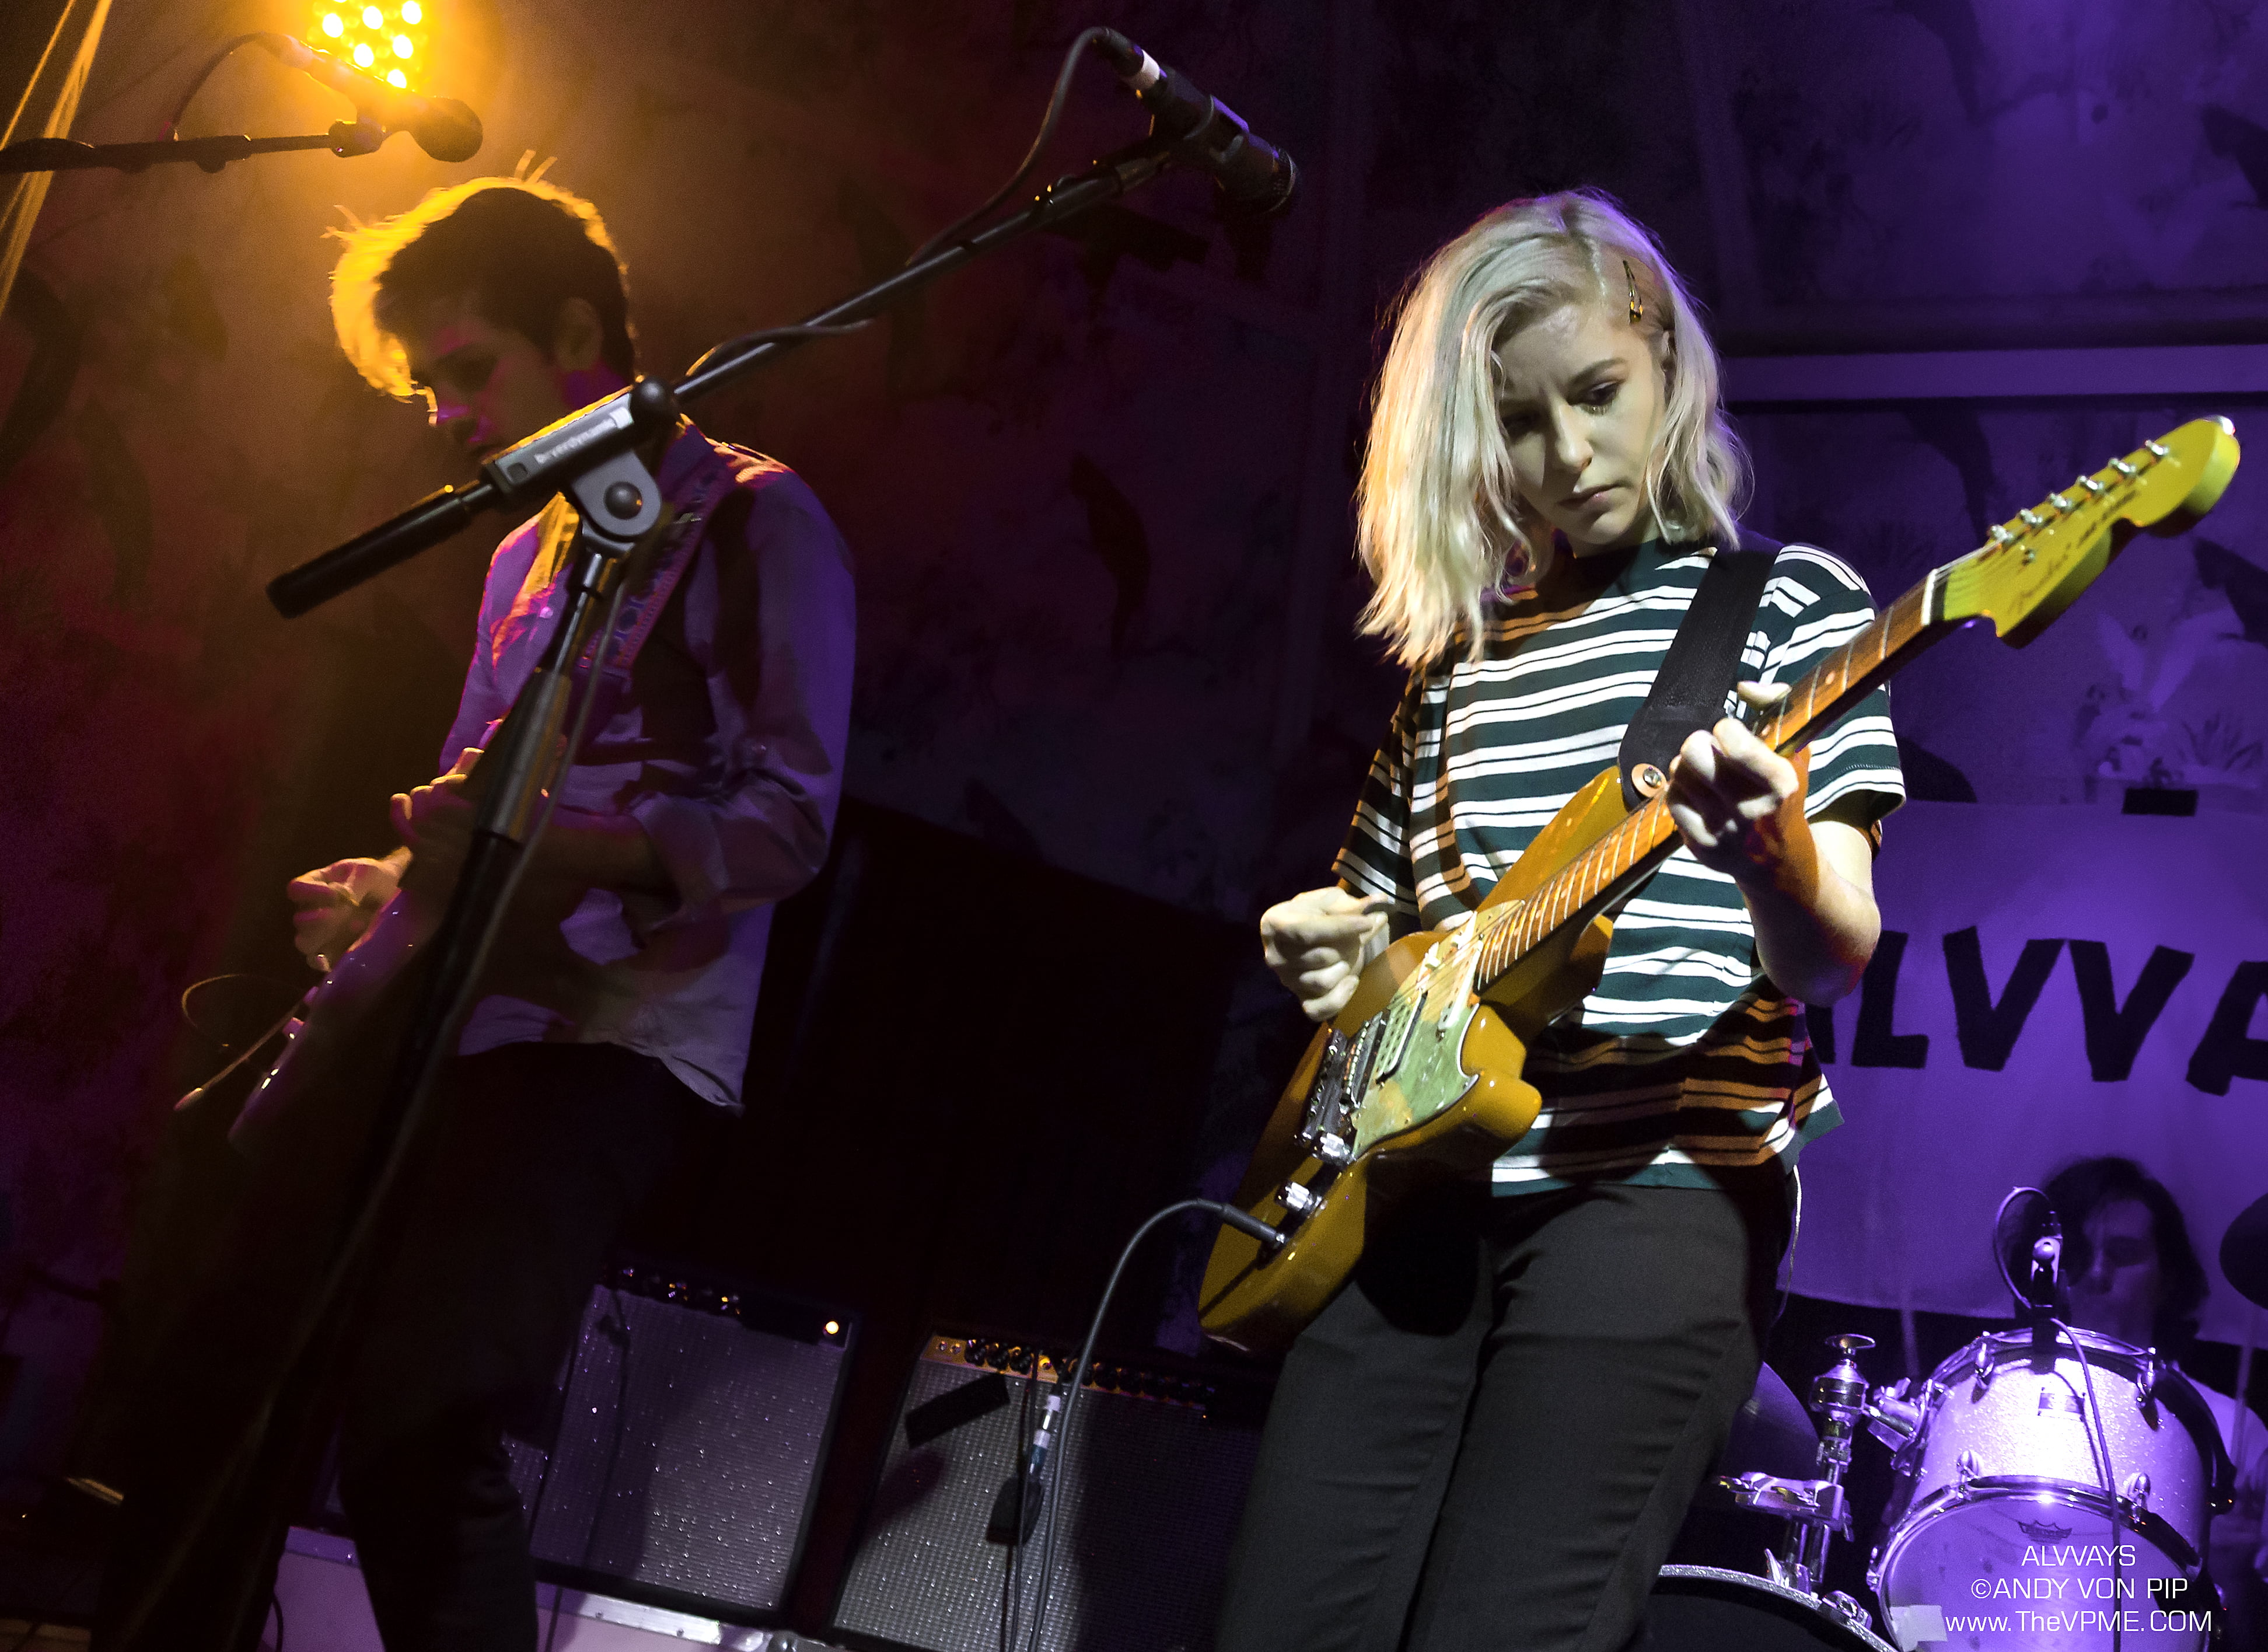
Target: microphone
(444,128)
(2047,1258)
(1255,179)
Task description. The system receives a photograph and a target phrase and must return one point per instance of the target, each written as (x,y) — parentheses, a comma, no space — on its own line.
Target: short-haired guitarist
(618,1006)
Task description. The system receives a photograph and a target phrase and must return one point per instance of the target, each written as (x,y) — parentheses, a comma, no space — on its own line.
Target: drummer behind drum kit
(2053,1490)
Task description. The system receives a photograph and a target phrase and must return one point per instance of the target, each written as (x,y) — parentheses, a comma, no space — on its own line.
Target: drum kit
(2053,1491)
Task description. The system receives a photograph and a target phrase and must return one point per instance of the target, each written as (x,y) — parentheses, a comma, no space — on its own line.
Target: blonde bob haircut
(1440,525)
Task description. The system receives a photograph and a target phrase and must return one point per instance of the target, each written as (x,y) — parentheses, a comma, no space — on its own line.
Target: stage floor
(320,1588)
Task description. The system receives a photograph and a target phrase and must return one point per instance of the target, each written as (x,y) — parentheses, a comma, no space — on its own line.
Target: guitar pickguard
(1421,1072)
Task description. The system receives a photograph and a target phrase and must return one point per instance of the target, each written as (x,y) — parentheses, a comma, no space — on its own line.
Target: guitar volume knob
(1297,1198)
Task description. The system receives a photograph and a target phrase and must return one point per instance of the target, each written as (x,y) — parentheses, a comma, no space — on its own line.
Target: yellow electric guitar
(1420,1074)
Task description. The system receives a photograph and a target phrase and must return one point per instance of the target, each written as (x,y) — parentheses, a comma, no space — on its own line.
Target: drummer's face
(2118,1292)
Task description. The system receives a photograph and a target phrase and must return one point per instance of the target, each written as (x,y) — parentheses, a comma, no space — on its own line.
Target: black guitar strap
(1702,666)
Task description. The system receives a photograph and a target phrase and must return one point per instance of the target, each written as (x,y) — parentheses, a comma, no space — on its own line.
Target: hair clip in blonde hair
(1637,304)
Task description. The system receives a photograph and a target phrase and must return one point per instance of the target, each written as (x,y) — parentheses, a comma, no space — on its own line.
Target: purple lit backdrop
(1949,1105)
(1098,504)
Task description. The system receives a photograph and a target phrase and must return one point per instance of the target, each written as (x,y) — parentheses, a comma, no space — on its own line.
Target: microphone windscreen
(448,130)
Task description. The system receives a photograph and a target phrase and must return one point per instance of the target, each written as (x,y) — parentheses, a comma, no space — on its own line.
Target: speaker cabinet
(682,1454)
(693,1423)
(1153,1484)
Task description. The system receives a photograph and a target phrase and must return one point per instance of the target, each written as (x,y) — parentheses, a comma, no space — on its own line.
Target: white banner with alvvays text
(2052,982)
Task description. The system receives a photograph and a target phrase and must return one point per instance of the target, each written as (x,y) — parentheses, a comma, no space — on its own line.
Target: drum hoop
(1750,1582)
(2150,1526)
(2123,1360)
(2171,1390)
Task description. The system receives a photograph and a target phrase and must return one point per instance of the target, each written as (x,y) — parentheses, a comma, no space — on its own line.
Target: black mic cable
(1255,179)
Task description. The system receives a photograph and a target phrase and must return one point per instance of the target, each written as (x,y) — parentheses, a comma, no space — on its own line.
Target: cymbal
(2244,1252)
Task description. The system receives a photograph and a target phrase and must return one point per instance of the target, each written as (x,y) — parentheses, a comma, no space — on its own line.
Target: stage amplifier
(1152,1484)
(694,1422)
(686,1437)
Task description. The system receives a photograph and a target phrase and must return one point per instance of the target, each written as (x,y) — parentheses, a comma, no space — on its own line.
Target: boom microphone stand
(345,139)
(593,456)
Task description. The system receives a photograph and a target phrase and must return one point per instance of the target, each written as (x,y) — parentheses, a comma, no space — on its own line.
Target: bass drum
(1706,1609)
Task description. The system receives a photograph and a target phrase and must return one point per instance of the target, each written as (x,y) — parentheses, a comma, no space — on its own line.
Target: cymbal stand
(1815,1510)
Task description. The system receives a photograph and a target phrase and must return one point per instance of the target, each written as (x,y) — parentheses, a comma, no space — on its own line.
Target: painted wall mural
(2157,677)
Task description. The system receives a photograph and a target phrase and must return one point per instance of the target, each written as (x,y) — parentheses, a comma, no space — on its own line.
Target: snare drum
(2000,1516)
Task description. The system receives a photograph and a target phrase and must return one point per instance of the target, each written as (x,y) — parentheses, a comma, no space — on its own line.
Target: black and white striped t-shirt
(1685,1056)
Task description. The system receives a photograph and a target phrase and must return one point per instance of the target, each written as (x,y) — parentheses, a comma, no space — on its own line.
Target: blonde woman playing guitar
(1488,1437)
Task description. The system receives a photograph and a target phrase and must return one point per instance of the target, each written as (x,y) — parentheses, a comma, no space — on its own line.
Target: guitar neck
(1607,872)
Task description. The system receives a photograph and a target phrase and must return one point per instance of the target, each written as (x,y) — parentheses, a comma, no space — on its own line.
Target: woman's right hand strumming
(1319,941)
(337,903)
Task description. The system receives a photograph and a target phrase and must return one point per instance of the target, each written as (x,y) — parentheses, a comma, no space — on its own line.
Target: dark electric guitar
(1420,1074)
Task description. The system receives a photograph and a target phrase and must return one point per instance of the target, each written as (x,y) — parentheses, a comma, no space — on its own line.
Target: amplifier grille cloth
(704,1490)
(1151,1491)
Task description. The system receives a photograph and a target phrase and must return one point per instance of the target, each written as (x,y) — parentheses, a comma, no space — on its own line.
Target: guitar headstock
(2038,562)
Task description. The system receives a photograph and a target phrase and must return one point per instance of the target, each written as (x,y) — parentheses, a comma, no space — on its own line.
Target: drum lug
(1893,1418)
(1847,1609)
(1984,1358)
(1966,1467)
(2134,1491)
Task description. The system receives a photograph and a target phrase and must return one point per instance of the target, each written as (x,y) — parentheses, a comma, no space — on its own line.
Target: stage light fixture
(390,41)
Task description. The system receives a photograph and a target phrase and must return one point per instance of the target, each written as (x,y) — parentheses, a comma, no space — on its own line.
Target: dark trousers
(539,1152)
(1489,1438)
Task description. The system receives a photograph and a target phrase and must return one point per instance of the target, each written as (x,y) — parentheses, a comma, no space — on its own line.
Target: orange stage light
(390,39)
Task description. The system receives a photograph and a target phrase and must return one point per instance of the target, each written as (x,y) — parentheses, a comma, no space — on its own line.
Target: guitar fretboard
(1607,871)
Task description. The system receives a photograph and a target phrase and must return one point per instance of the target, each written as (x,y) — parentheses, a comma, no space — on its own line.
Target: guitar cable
(1052,1498)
